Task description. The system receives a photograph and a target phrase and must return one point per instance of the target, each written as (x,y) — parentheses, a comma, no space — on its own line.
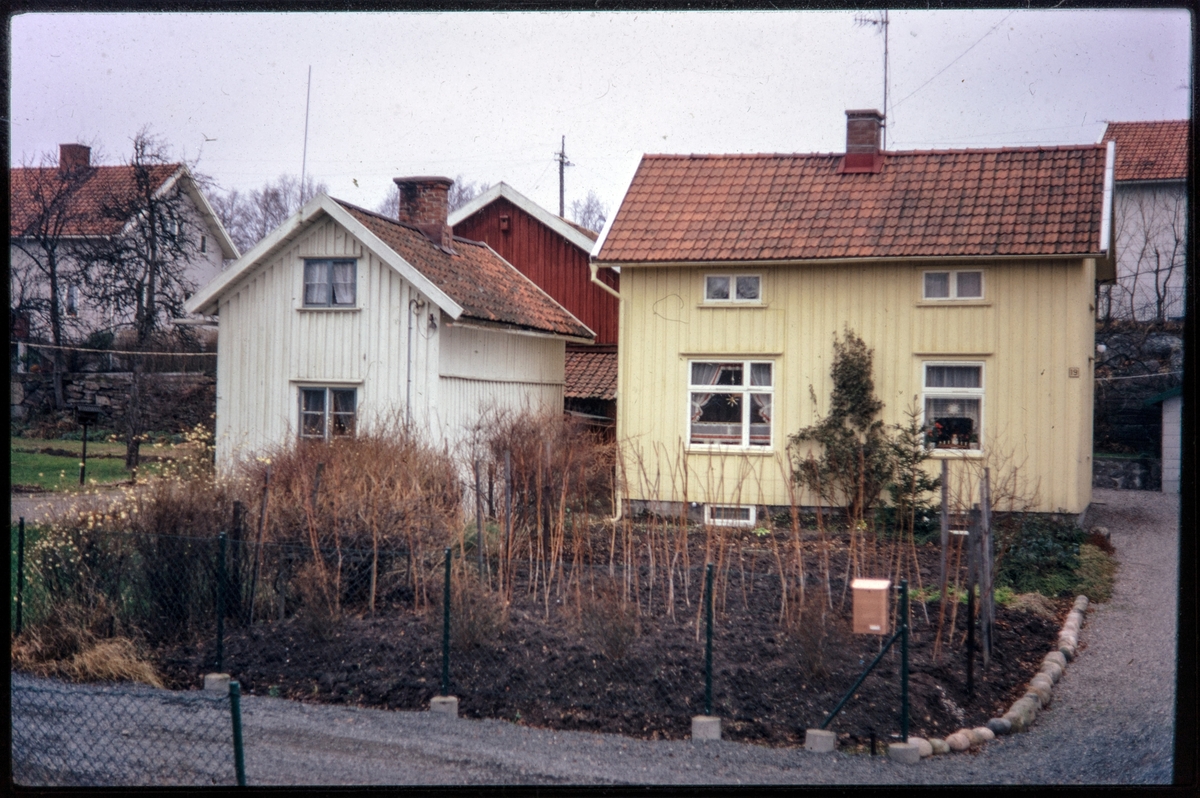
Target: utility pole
(563,163)
(304,158)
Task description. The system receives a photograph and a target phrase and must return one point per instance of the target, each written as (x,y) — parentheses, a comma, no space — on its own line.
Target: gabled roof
(590,374)
(993,202)
(472,283)
(577,235)
(93,190)
(1150,150)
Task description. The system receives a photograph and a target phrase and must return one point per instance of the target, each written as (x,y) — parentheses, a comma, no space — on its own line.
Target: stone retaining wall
(171,401)
(1143,473)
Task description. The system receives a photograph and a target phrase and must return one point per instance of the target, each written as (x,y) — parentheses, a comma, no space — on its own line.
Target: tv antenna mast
(304,159)
(879,21)
(563,163)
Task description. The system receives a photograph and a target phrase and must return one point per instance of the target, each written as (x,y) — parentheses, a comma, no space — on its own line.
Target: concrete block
(904,753)
(820,741)
(924,747)
(706,727)
(445,706)
(1000,726)
(217,683)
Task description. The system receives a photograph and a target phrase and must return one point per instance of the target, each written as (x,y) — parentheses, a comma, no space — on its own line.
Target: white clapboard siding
(270,346)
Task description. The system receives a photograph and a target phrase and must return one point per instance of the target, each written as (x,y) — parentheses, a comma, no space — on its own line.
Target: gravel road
(1111,721)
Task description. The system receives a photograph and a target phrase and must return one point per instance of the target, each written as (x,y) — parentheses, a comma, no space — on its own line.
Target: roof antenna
(304,159)
(880,21)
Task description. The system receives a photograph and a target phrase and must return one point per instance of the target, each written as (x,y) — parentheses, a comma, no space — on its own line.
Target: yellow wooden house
(971,274)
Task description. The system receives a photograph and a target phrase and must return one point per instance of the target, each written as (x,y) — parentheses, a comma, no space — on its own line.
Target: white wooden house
(343,319)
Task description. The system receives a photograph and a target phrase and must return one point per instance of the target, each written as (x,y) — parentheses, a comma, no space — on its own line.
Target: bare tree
(250,217)
(590,212)
(462,191)
(139,272)
(1151,243)
(44,223)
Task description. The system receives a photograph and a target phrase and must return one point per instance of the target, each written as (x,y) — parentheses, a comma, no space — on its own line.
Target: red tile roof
(1029,201)
(591,374)
(1150,150)
(487,287)
(90,197)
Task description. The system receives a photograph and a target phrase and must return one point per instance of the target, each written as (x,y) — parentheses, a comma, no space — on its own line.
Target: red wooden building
(554,253)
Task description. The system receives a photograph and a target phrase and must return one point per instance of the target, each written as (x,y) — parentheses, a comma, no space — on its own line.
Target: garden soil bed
(770,683)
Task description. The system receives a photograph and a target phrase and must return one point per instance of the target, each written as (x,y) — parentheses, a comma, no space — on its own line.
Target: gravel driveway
(1111,721)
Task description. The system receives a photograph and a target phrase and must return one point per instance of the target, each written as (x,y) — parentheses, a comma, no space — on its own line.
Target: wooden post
(945,519)
(987,606)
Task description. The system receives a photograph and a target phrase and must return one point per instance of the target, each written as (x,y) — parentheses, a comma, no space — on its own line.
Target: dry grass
(66,648)
(1034,603)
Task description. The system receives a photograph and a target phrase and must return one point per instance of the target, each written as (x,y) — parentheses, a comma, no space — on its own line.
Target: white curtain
(703,374)
(343,283)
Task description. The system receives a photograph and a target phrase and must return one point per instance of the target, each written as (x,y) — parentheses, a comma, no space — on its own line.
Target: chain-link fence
(119,735)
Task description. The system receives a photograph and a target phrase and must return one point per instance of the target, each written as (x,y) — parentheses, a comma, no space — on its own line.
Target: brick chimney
(862,142)
(73,158)
(424,203)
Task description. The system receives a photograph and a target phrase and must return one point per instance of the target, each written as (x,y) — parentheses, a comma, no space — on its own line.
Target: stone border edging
(1024,710)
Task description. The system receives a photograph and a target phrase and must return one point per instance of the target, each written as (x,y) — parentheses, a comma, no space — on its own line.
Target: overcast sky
(488,95)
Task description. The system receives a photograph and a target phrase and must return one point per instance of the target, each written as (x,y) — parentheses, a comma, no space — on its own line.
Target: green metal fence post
(221,542)
(708,611)
(446,629)
(903,660)
(239,755)
(20,569)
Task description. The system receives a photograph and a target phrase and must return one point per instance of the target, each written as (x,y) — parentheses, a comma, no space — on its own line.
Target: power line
(955,61)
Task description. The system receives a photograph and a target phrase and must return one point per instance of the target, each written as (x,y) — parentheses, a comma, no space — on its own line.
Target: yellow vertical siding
(1027,331)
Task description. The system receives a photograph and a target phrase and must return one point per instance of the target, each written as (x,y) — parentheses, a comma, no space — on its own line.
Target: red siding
(559,267)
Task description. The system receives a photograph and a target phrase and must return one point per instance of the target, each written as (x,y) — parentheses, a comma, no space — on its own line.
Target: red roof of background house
(1150,150)
(591,374)
(1010,202)
(97,188)
(487,287)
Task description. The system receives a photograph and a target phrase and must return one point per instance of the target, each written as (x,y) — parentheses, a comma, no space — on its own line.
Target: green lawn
(55,472)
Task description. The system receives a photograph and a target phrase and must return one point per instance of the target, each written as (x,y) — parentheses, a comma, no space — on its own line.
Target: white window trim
(979,393)
(744,446)
(733,300)
(330,259)
(328,387)
(749,523)
(954,297)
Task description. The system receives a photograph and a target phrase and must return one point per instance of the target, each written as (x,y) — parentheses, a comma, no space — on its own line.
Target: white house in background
(342,319)
(1172,436)
(69,204)
(1150,214)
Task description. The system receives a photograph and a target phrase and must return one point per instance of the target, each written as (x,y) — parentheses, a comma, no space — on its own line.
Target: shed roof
(1150,150)
(578,235)
(590,374)
(937,203)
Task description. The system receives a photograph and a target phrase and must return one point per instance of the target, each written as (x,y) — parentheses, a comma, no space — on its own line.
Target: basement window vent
(729,515)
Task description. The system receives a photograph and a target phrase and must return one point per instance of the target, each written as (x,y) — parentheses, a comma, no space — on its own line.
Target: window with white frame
(953,405)
(329,283)
(72,300)
(327,413)
(730,403)
(730,515)
(953,285)
(732,288)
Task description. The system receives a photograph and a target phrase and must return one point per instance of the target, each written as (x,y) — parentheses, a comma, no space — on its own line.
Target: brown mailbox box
(871,606)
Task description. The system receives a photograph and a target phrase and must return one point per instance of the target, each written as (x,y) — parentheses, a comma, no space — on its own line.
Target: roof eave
(761,262)
(555,223)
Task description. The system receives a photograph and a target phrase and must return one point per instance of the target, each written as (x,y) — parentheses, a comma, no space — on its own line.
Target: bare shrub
(819,632)
(610,621)
(478,615)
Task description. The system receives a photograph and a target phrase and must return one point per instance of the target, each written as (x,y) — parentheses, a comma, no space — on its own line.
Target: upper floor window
(732,288)
(954,285)
(204,243)
(329,283)
(730,403)
(72,300)
(953,405)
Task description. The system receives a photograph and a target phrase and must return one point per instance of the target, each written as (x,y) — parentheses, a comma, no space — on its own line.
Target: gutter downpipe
(1106,213)
(412,310)
(595,269)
